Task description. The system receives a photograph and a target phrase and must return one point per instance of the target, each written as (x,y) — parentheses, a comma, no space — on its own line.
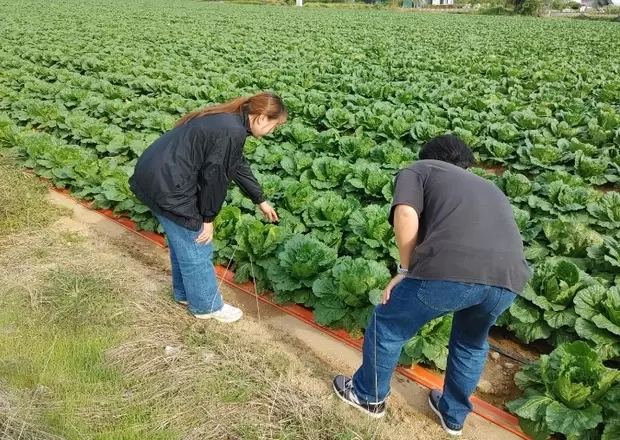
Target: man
(460,252)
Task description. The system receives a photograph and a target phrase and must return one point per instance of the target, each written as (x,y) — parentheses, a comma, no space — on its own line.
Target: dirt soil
(500,369)
(496,169)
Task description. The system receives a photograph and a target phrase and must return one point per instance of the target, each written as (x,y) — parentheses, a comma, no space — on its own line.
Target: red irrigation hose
(416,373)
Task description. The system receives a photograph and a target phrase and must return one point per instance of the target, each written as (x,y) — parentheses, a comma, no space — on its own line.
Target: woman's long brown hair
(263,103)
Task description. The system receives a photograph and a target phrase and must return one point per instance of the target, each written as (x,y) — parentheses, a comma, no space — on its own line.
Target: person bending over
(460,252)
(183,177)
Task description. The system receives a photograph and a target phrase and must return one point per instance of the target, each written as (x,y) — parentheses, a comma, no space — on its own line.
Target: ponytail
(264,103)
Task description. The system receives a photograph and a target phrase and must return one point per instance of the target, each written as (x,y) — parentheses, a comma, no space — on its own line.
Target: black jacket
(184,175)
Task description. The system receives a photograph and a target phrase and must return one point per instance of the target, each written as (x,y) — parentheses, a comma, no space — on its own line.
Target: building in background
(596,3)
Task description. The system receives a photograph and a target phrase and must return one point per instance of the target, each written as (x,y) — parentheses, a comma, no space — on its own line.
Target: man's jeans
(412,304)
(193,274)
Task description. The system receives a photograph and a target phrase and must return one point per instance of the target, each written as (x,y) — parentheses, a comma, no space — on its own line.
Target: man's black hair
(448,148)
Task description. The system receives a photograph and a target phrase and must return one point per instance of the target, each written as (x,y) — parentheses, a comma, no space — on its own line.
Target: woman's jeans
(412,304)
(193,274)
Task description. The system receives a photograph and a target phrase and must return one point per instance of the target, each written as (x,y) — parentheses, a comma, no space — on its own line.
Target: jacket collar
(245,118)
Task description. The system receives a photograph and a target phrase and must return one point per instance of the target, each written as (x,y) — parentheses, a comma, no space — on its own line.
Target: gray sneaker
(343,387)
(433,401)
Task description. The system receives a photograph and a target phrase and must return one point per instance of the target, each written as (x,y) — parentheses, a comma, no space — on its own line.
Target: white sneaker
(227,314)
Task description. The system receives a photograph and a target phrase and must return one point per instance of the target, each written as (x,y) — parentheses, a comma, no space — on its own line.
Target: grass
(57,320)
(21,198)
(92,347)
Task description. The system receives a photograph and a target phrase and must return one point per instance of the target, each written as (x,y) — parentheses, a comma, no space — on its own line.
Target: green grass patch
(22,200)
(77,300)
(54,356)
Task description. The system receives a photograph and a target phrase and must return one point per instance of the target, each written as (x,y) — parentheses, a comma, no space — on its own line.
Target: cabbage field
(85,86)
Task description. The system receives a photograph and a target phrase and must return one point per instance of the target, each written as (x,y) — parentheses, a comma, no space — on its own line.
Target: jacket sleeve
(248,183)
(213,180)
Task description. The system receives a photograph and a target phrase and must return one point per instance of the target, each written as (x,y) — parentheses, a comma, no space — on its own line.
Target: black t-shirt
(467,229)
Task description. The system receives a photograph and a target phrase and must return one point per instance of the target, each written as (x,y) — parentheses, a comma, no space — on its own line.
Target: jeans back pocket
(445,296)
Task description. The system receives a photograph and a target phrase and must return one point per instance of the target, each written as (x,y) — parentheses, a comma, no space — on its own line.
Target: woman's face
(261,125)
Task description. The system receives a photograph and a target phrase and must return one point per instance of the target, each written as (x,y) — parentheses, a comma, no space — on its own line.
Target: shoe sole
(443,425)
(359,408)
(182,303)
(223,320)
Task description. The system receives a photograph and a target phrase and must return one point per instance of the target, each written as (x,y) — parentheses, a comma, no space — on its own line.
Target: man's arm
(406,225)
(405,217)
(407,206)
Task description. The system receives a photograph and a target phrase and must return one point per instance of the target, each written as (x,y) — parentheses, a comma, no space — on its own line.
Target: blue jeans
(412,304)
(193,274)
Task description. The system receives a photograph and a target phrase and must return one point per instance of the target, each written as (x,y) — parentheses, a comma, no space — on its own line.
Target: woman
(183,177)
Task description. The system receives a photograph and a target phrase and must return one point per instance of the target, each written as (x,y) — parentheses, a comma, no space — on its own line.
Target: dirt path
(317,355)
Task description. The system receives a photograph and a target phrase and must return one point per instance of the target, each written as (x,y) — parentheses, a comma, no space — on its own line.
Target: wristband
(401,271)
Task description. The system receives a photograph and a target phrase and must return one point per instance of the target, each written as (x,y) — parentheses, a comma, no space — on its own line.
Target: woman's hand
(270,213)
(206,235)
